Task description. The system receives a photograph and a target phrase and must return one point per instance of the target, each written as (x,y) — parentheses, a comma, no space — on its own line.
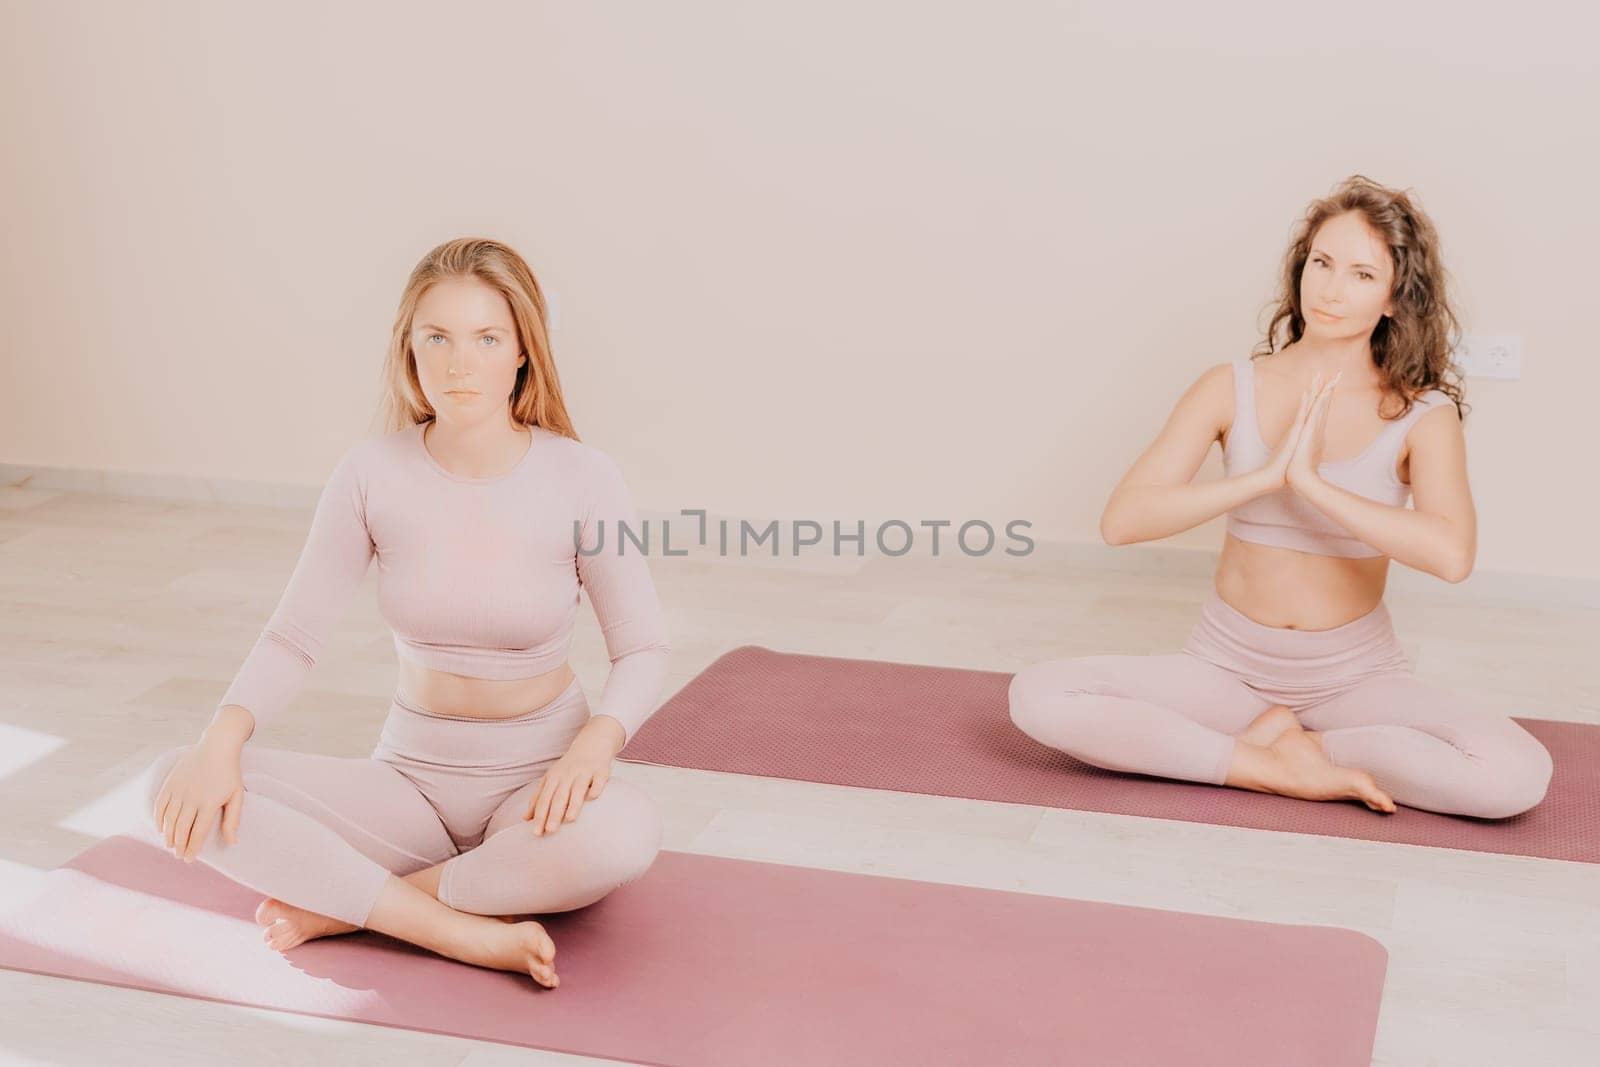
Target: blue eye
(486,337)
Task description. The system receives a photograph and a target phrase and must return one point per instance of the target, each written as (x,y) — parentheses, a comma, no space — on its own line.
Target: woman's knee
(1040,697)
(625,825)
(1511,770)
(1518,775)
(613,841)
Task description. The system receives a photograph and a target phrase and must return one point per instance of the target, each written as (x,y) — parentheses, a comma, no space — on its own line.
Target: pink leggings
(325,833)
(1175,715)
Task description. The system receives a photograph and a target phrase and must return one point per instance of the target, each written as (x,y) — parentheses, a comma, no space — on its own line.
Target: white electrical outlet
(1489,356)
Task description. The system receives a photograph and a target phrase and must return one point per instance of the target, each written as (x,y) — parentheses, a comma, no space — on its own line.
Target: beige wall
(843,259)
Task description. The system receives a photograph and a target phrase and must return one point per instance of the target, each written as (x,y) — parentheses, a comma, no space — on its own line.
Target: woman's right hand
(1278,469)
(204,780)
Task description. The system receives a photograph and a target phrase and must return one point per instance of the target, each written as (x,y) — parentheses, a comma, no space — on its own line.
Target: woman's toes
(270,910)
(1368,792)
(285,925)
(279,930)
(282,936)
(539,951)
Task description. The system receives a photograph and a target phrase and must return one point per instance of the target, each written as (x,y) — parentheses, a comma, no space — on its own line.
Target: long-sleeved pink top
(476,576)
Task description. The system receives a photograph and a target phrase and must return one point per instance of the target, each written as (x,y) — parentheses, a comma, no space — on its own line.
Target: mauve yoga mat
(707,961)
(948,732)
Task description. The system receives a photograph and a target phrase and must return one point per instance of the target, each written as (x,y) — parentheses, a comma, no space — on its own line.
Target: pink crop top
(1286,519)
(476,576)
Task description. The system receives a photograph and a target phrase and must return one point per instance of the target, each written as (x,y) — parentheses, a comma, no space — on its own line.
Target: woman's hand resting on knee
(205,778)
(579,775)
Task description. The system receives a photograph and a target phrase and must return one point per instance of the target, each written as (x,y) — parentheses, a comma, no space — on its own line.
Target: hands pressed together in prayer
(1307,434)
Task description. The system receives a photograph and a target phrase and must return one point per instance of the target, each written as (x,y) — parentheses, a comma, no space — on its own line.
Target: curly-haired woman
(1292,680)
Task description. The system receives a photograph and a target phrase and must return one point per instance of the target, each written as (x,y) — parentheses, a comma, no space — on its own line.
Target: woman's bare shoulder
(1213,379)
(1210,395)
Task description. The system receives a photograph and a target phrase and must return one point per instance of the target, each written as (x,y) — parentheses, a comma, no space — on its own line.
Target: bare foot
(1269,726)
(1311,775)
(284,926)
(505,944)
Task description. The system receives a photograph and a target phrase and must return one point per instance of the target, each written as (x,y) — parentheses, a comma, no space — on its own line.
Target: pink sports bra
(1286,519)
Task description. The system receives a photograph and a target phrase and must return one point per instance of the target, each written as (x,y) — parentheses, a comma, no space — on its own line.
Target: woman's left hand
(1307,456)
(577,776)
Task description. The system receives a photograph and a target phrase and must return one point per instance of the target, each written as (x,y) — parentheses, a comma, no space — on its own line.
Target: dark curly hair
(1412,347)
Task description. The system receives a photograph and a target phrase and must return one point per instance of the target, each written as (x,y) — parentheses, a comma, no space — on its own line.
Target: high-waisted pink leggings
(1175,715)
(326,833)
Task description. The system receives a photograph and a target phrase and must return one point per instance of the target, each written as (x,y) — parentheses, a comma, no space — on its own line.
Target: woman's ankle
(427,879)
(410,913)
(1254,767)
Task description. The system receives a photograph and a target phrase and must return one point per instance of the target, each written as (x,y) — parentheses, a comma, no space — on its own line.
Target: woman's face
(466,347)
(1349,274)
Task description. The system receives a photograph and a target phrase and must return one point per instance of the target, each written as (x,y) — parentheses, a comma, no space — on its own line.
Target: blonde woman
(488,795)
(1293,681)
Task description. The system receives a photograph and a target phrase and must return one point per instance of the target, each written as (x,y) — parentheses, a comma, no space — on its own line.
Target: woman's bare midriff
(1301,590)
(1298,590)
(479,698)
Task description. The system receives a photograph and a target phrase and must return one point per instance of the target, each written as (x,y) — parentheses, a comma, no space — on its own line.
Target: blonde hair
(1412,347)
(536,396)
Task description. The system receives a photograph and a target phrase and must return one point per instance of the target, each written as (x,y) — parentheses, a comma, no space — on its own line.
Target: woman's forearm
(1429,543)
(605,732)
(229,728)
(1151,512)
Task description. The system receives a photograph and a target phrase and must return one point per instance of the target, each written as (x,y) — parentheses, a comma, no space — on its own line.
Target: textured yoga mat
(708,961)
(948,732)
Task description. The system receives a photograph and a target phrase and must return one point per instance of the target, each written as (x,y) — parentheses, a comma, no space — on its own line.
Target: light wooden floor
(123,618)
